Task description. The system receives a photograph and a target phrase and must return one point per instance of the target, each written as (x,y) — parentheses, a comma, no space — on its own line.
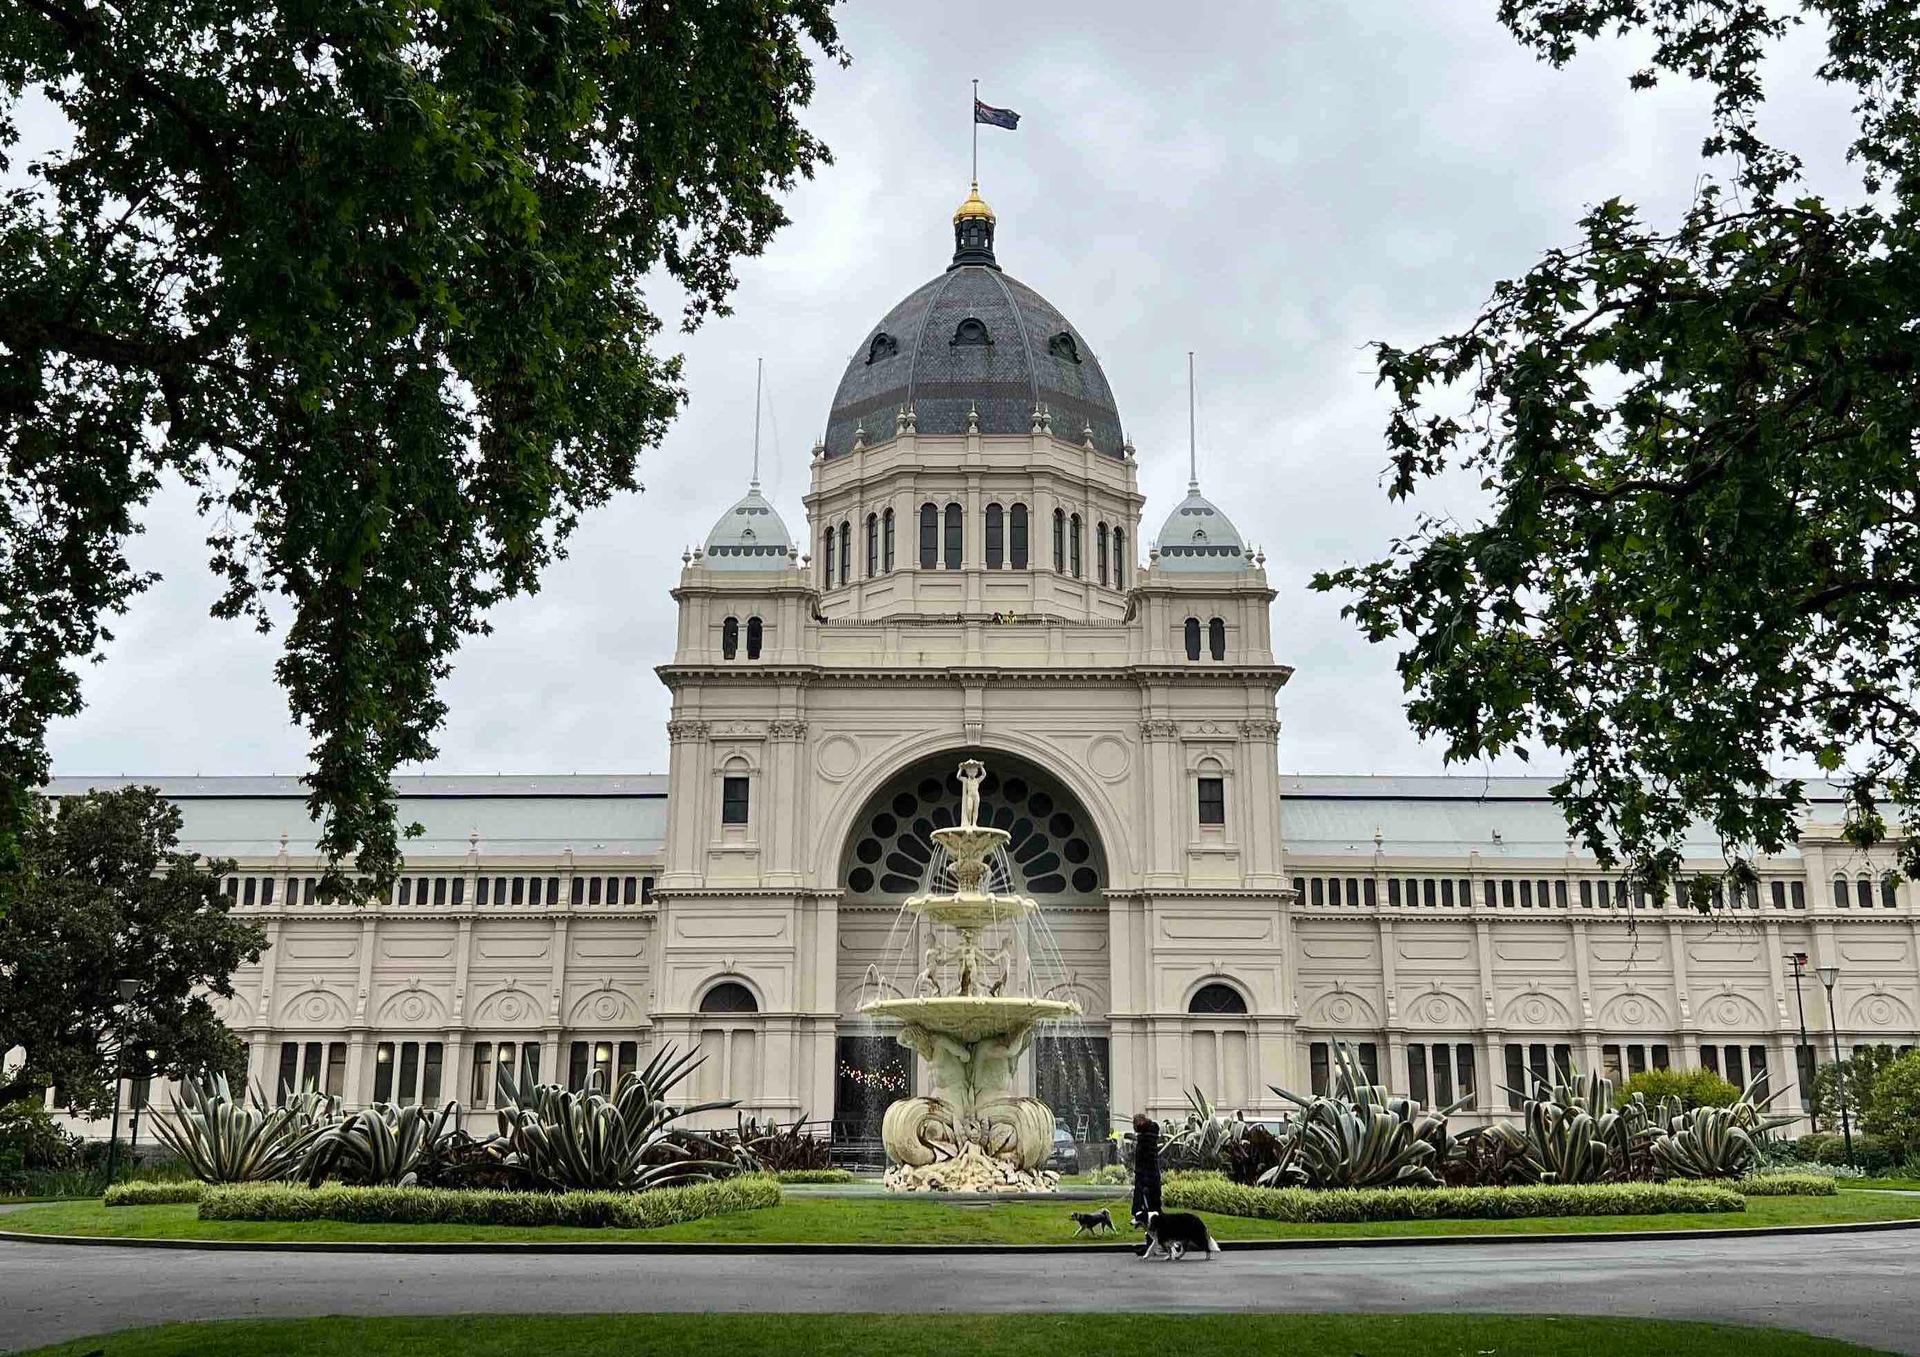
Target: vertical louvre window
(1060,539)
(1119,558)
(733,801)
(873,545)
(886,540)
(846,550)
(1017,537)
(996,537)
(1100,550)
(956,535)
(826,559)
(1073,545)
(1213,801)
(929,537)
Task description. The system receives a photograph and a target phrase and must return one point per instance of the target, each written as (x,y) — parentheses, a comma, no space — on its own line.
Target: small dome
(749,536)
(974,206)
(1197,536)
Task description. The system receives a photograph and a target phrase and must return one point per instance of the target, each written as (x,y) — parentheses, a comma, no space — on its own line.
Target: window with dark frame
(733,800)
(955,535)
(1017,537)
(996,537)
(1213,800)
(929,537)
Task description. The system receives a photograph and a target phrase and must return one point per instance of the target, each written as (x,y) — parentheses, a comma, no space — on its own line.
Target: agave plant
(1204,1140)
(769,1145)
(1360,1135)
(1571,1125)
(1716,1142)
(625,1141)
(383,1146)
(224,1139)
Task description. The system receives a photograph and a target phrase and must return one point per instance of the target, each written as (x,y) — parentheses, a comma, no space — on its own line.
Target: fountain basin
(969,1018)
(970,911)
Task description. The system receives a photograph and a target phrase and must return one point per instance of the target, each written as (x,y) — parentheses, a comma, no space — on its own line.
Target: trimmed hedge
(813,1176)
(1787,1185)
(1308,1206)
(153,1194)
(471,1206)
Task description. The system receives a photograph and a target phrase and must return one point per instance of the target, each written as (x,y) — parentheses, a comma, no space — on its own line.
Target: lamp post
(1799,960)
(148,1057)
(1828,975)
(128,989)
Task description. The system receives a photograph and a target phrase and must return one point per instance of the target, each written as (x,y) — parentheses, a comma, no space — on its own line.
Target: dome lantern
(973,223)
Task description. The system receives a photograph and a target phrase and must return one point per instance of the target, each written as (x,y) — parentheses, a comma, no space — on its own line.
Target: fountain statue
(971,1133)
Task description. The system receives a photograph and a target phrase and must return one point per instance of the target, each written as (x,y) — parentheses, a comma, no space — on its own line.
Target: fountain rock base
(972,1170)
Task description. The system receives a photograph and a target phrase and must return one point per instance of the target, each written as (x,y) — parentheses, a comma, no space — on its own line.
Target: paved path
(1858,1287)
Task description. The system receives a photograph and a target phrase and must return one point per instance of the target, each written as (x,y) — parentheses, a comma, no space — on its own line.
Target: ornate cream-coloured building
(972,585)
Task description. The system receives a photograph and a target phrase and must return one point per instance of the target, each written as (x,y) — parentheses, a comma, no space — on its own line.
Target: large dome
(974,342)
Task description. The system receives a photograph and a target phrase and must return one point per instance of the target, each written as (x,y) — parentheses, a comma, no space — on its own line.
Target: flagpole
(1193,456)
(973,116)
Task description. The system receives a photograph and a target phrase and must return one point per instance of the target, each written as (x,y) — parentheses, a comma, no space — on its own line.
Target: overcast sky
(1271,186)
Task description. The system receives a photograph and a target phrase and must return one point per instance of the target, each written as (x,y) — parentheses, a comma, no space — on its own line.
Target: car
(1065,1155)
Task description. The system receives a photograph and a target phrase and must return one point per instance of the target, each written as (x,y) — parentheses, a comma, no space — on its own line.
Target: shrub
(779,1149)
(813,1176)
(1869,1155)
(153,1194)
(1893,1115)
(1787,1185)
(1353,1205)
(447,1206)
(31,1139)
(1111,1175)
(1694,1088)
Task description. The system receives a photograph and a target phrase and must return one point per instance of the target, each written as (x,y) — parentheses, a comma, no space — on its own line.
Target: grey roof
(593,814)
(1197,536)
(749,536)
(1035,357)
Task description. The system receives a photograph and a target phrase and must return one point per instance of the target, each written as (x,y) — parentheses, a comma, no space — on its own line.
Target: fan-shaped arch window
(884,346)
(955,533)
(729,996)
(1193,638)
(886,541)
(1100,550)
(972,330)
(1060,539)
(873,545)
(753,638)
(996,537)
(1119,558)
(1017,537)
(1073,544)
(846,550)
(1217,638)
(929,537)
(1216,997)
(729,638)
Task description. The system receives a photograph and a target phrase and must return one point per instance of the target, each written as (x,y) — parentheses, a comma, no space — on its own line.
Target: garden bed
(453,1206)
(1306,1206)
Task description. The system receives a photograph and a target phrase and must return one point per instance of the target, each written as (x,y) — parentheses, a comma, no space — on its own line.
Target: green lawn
(941,1336)
(1903,1184)
(894,1220)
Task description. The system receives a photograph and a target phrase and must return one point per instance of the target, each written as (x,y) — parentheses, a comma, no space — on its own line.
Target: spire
(755,482)
(973,223)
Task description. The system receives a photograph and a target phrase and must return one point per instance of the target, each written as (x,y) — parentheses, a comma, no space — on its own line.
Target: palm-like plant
(224,1139)
(383,1146)
(625,1141)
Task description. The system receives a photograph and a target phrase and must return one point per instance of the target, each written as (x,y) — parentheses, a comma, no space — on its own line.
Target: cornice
(674,675)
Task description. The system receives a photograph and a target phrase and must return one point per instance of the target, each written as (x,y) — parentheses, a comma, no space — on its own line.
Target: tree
(1862,1070)
(1700,556)
(103,895)
(1894,1114)
(369,279)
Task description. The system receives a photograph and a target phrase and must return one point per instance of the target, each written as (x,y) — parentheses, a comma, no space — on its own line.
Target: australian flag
(995,117)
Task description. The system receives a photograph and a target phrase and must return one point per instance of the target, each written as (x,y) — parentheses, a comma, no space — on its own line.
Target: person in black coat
(1146,1165)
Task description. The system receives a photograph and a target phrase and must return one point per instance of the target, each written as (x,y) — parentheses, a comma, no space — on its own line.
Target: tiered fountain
(970,1133)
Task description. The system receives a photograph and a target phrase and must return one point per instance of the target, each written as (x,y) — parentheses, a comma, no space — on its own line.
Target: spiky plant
(779,1149)
(383,1146)
(593,1141)
(224,1139)
(1204,1140)
(1717,1142)
(1361,1135)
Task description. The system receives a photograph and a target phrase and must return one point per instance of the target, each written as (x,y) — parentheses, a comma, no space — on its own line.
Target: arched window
(846,550)
(1073,544)
(1887,896)
(886,541)
(1060,540)
(1840,897)
(996,537)
(873,545)
(1017,537)
(1217,638)
(826,559)
(730,996)
(929,537)
(753,638)
(1119,558)
(955,529)
(972,330)
(1100,550)
(729,638)
(1863,892)
(1193,638)
(884,346)
(1217,998)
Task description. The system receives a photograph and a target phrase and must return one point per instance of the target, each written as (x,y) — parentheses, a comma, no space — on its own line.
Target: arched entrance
(1054,855)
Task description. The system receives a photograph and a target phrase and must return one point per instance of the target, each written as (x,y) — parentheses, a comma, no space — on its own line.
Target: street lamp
(1828,975)
(149,1057)
(1799,960)
(128,989)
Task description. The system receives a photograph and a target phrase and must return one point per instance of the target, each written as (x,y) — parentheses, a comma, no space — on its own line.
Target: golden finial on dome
(974,206)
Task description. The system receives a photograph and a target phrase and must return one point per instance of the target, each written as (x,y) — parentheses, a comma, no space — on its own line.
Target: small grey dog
(1092,1222)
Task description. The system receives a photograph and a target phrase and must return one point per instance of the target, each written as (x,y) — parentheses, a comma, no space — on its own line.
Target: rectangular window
(289,1071)
(1506,894)
(1446,893)
(1318,1069)
(1353,890)
(577,1056)
(1636,1060)
(1586,895)
(430,1073)
(1606,893)
(459,891)
(1736,1068)
(1516,1075)
(1560,894)
(1526,895)
(1809,1070)
(439,890)
(1213,801)
(503,1059)
(733,801)
(1710,1058)
(266,890)
(1393,890)
(1319,892)
(481,1094)
(629,890)
(579,890)
(1537,1064)
(383,1072)
(1371,892)
(553,890)
(409,1072)
(1442,1074)
(603,1066)
(1757,1068)
(482,897)
(1417,1071)
(1659,1057)
(629,1058)
(1370,1061)
(646,890)
(1488,896)
(336,1085)
(1610,1062)
(1463,1069)
(247,897)
(530,1062)
(1427,892)
(310,1066)
(1798,889)
(593,890)
(519,890)
(1563,1062)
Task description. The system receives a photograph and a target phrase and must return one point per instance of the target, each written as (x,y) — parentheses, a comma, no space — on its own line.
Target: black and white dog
(1174,1234)
(1092,1222)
